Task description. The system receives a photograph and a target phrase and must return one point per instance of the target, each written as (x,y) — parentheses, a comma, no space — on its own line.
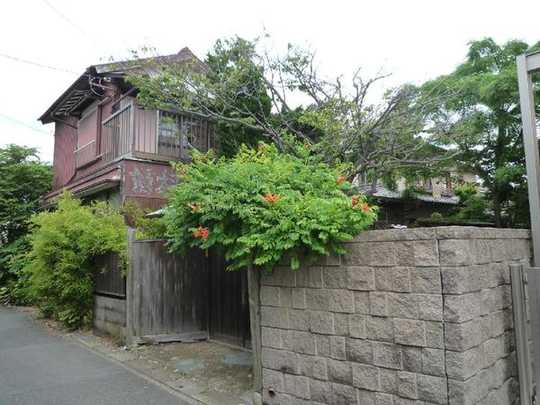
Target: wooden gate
(174,295)
(167,294)
(228,303)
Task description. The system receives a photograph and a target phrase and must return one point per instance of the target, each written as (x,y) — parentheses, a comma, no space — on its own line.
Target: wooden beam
(187,337)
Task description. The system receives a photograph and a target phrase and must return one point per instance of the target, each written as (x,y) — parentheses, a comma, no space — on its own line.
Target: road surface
(39,368)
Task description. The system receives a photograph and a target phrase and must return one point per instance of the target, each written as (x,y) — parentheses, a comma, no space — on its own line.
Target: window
(86,137)
(178,133)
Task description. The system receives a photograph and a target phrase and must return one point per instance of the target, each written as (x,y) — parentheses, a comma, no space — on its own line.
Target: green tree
(253,93)
(24,178)
(481,112)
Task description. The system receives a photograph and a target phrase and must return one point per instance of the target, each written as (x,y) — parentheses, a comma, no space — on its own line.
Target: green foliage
(145,228)
(255,94)
(229,85)
(63,243)
(472,205)
(231,68)
(436,216)
(23,180)
(262,206)
(481,110)
(13,280)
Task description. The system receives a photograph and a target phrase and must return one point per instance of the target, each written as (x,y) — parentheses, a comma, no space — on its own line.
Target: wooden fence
(167,294)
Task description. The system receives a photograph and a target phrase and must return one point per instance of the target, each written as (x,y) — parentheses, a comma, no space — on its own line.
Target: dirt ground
(208,372)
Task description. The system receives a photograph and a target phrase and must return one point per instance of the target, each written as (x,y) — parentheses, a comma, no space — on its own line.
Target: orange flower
(340,180)
(201,233)
(194,207)
(355,200)
(271,198)
(365,207)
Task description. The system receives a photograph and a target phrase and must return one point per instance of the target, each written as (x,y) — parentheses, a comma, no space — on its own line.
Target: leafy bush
(472,205)
(262,206)
(436,216)
(145,227)
(63,243)
(13,279)
(23,180)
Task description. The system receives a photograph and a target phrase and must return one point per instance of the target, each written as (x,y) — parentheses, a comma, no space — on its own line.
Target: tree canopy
(255,94)
(482,113)
(24,178)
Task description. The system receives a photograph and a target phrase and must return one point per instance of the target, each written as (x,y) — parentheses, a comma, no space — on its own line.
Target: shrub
(436,216)
(262,206)
(145,227)
(472,204)
(63,243)
(14,280)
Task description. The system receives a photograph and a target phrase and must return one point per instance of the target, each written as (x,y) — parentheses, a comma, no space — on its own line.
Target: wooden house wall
(145,131)
(147,183)
(65,143)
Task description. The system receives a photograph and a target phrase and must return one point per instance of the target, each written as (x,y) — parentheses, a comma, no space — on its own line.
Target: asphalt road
(37,368)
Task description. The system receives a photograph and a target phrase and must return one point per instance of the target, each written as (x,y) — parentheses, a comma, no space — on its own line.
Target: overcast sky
(414,39)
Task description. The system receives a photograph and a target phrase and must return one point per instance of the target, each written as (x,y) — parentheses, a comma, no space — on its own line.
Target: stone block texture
(417,317)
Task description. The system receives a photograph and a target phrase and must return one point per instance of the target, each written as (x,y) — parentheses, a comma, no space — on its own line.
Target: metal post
(530,142)
(519,308)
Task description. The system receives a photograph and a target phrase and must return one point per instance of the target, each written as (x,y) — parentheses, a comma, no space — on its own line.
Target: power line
(65,18)
(24,124)
(29,62)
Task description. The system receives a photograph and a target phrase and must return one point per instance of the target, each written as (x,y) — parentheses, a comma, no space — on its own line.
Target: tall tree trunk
(497,210)
(497,203)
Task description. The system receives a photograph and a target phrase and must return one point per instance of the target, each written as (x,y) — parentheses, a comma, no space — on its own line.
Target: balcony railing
(117,134)
(85,154)
(154,134)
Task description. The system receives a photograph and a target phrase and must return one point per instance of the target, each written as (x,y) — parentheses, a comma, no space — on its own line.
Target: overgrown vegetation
(258,94)
(482,114)
(24,178)
(63,243)
(262,206)
(472,204)
(145,227)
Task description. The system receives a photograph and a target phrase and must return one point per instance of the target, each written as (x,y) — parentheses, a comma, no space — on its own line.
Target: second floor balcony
(148,134)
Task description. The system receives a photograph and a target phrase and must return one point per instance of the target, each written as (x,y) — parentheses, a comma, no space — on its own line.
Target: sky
(415,40)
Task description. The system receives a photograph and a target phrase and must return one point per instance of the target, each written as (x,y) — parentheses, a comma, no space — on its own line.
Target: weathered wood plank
(188,337)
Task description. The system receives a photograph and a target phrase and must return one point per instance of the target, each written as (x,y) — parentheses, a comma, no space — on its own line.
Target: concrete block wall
(109,316)
(407,317)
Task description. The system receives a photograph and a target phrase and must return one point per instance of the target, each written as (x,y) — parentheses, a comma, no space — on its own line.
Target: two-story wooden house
(107,146)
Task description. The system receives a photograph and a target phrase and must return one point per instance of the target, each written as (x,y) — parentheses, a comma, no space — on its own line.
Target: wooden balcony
(86,154)
(153,134)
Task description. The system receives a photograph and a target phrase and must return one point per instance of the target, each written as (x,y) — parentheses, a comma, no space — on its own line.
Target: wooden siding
(229,305)
(168,292)
(65,143)
(145,130)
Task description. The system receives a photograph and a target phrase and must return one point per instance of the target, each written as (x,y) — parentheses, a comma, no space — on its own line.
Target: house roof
(91,84)
(384,193)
